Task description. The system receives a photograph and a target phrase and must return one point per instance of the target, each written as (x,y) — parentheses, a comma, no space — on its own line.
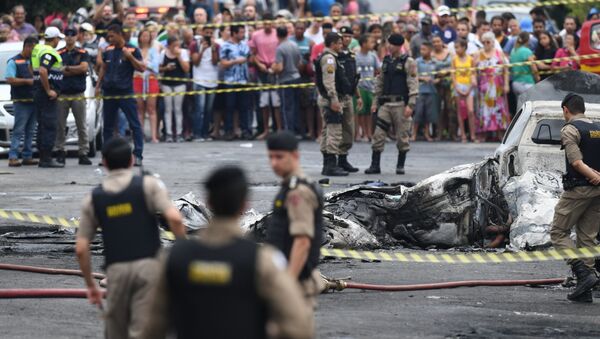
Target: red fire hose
(45,270)
(44,293)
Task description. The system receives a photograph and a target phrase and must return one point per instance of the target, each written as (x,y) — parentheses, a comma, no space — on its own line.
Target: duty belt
(569,183)
(391,98)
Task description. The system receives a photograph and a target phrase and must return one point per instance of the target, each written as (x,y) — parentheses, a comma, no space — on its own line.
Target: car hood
(4,92)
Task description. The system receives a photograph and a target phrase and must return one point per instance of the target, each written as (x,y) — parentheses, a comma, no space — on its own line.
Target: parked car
(93,107)
(589,43)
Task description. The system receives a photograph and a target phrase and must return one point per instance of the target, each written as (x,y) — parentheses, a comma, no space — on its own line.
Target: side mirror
(547,132)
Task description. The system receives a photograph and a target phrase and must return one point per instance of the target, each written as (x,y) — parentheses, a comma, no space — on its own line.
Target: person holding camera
(174,66)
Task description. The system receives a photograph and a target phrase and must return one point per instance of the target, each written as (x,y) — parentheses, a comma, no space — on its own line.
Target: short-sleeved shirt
(521,73)
(231,51)
(55,77)
(288,54)
(76,83)
(448,34)
(366,65)
(26,30)
(265,45)
(11,69)
(303,46)
(119,71)
(101,27)
(205,73)
(426,66)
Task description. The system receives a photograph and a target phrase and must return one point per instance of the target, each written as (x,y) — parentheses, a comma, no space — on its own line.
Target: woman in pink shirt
(569,50)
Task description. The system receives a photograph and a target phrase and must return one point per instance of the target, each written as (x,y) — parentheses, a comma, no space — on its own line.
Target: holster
(569,183)
(332,117)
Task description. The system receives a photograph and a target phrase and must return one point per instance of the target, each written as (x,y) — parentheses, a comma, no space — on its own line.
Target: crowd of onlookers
(196,48)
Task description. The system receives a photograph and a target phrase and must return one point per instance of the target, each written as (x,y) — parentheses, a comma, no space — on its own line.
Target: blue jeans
(25,122)
(289,106)
(203,111)
(237,101)
(111,117)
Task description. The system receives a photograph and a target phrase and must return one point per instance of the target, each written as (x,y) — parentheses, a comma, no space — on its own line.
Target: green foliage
(44,7)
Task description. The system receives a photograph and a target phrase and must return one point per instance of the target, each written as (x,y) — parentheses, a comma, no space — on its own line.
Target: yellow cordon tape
(417,257)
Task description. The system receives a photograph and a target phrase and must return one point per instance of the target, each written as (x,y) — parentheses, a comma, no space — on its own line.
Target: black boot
(331,169)
(61,156)
(345,165)
(400,164)
(84,160)
(375,164)
(324,164)
(46,160)
(586,279)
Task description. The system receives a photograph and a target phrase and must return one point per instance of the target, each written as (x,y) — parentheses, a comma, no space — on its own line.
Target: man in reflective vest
(579,205)
(19,77)
(46,64)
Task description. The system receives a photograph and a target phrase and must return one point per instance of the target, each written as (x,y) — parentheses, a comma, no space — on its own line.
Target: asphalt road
(492,312)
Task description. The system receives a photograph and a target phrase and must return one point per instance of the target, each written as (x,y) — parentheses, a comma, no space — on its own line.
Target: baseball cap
(86,27)
(426,21)
(443,10)
(346,30)
(70,31)
(53,32)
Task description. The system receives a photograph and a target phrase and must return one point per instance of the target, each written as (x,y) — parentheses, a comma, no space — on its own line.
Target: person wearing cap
(347,59)
(119,61)
(424,35)
(396,89)
(20,79)
(443,29)
(88,41)
(296,225)
(221,285)
(333,86)
(47,68)
(76,66)
(579,204)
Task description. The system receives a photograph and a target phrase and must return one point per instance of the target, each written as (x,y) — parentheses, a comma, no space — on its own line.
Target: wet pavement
(458,313)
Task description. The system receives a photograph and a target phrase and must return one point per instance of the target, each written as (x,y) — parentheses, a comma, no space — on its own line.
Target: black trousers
(46,111)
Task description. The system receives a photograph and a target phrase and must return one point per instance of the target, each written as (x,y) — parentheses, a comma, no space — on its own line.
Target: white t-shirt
(316,38)
(185,56)
(206,74)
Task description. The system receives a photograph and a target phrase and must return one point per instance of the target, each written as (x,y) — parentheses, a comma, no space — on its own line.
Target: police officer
(579,205)
(348,59)
(221,285)
(396,90)
(119,61)
(125,207)
(19,77)
(75,61)
(332,86)
(295,227)
(46,64)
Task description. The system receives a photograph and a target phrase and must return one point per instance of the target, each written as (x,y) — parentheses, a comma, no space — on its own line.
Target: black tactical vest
(278,226)
(130,232)
(213,290)
(395,77)
(348,60)
(342,85)
(22,92)
(590,148)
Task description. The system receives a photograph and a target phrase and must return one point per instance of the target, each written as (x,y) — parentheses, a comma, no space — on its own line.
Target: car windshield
(595,37)
(4,56)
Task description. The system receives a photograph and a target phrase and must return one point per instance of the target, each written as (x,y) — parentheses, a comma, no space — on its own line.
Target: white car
(93,108)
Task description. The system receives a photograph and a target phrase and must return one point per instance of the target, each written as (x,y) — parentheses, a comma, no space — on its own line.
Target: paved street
(492,312)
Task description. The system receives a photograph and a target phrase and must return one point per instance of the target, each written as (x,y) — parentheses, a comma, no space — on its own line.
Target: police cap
(346,30)
(396,39)
(282,141)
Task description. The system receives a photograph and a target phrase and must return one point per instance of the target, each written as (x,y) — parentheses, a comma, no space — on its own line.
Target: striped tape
(413,257)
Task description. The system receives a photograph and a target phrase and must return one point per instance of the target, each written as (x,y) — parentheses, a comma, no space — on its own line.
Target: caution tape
(406,257)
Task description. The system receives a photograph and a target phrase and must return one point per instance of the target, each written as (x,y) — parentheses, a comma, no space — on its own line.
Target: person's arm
(328,69)
(226,63)
(534,68)
(214,50)
(413,86)
(101,73)
(119,10)
(47,62)
(184,61)
(11,76)
(298,255)
(378,91)
(196,51)
(156,192)
(98,13)
(85,234)
(135,57)
(300,203)
(82,68)
(277,66)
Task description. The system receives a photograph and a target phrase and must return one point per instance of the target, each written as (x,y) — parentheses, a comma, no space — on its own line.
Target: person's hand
(52,94)
(335,106)
(408,112)
(595,180)
(177,51)
(506,88)
(204,44)
(127,53)
(261,67)
(359,103)
(374,108)
(94,295)
(171,66)
(97,92)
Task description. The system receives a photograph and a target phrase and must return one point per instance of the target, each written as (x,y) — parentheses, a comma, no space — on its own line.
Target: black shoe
(84,160)
(46,161)
(375,164)
(586,297)
(137,162)
(586,280)
(331,169)
(345,165)
(401,161)
(247,136)
(229,137)
(61,157)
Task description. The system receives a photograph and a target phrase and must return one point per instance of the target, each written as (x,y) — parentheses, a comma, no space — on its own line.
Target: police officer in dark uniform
(76,66)
(221,285)
(296,225)
(333,87)
(579,205)
(119,61)
(125,206)
(348,59)
(396,90)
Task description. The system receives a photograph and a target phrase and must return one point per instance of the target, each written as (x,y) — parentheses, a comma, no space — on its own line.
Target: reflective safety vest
(21,92)
(55,73)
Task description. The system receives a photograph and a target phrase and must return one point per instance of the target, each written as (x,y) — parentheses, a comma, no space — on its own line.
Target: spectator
(493,87)
(174,63)
(200,18)
(376,31)
(464,86)
(7,34)
(546,49)
(568,51)
(593,14)
(249,13)
(367,66)
(515,29)
(146,83)
(205,60)
(570,25)
(483,28)
(234,55)
(104,16)
(538,27)
(23,28)
(301,9)
(462,29)
(498,30)
(38,23)
(427,108)
(264,45)
(306,95)
(443,29)
(287,61)
(446,124)
(315,31)
(424,35)
(539,13)
(409,31)
(523,76)
(321,6)
(335,12)
(133,26)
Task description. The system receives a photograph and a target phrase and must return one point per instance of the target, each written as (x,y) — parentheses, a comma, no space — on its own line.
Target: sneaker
(180,140)
(169,139)
(199,140)
(229,137)
(14,163)
(138,162)
(84,160)
(30,162)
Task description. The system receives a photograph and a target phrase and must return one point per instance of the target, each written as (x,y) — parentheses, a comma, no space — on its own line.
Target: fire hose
(332,284)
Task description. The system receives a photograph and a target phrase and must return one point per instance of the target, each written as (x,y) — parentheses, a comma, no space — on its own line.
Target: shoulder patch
(279,260)
(330,61)
(330,69)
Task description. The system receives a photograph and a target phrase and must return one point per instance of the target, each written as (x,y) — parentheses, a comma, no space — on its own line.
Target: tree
(44,7)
